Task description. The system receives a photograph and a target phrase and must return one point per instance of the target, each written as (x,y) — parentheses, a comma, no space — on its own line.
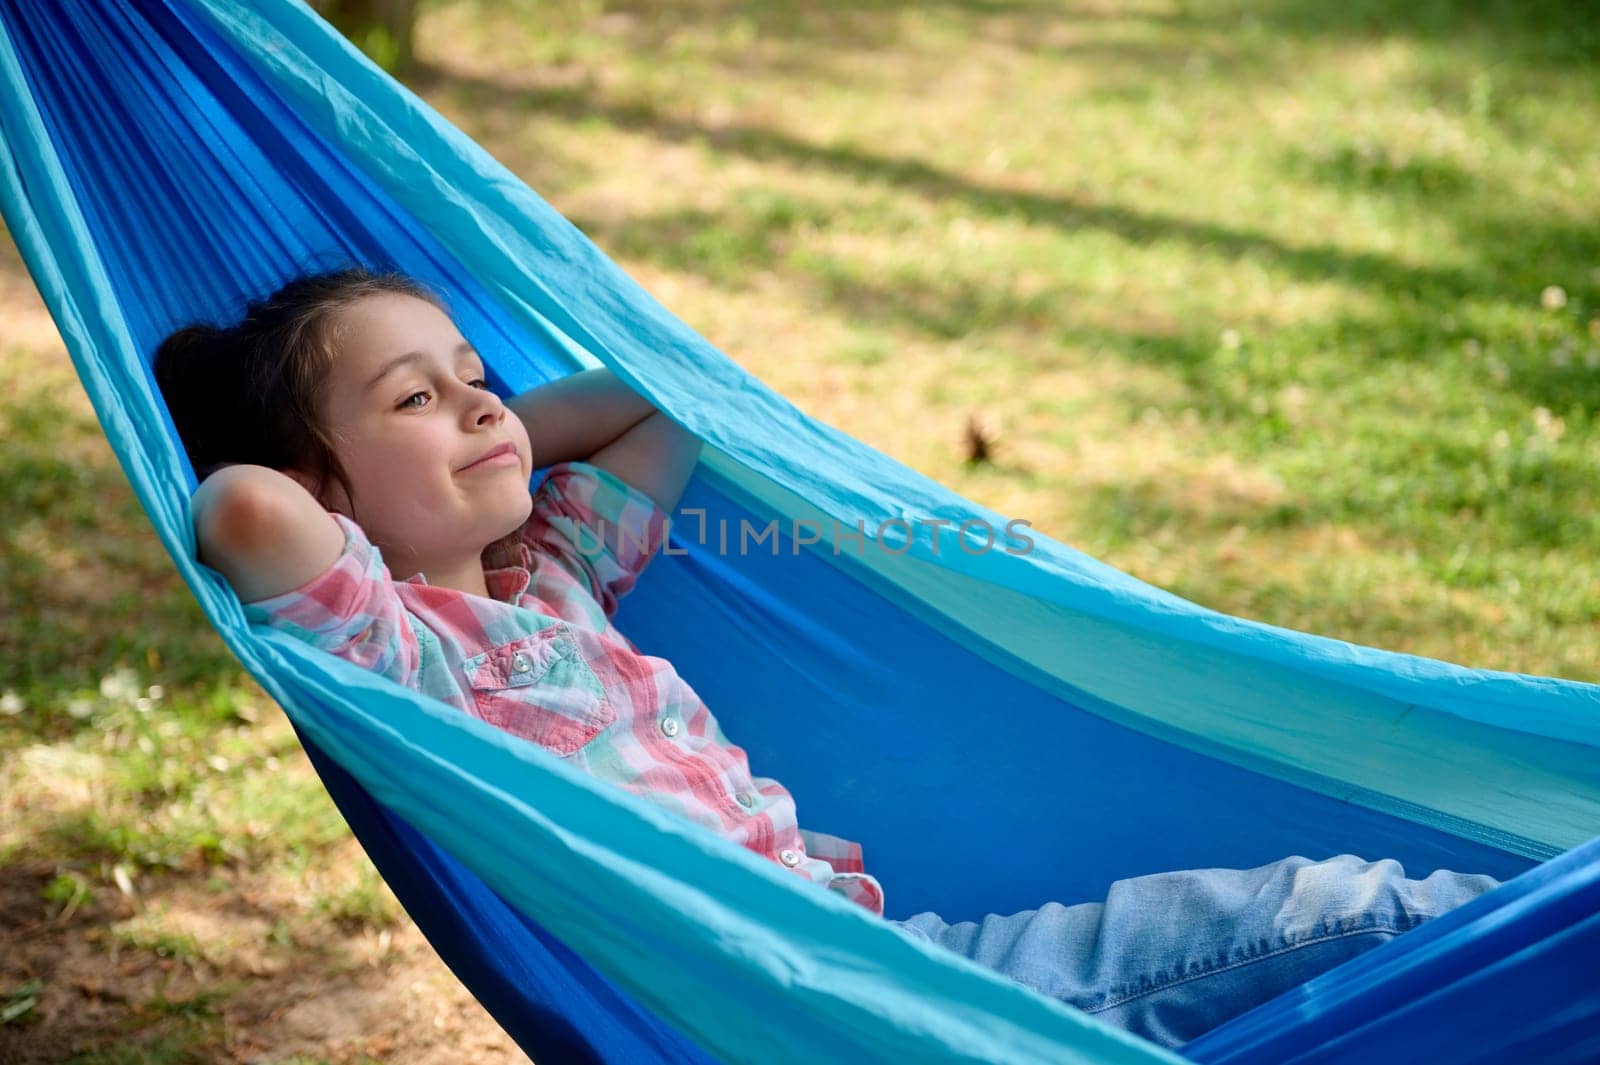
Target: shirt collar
(506,571)
(509,584)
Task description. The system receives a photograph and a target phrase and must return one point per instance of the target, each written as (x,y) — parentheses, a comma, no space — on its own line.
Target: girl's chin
(517,516)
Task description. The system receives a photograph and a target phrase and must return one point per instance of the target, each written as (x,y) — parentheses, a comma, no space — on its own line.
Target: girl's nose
(486,408)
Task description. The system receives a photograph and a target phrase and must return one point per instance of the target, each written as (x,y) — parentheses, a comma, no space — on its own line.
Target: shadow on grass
(1063,212)
(1369,167)
(1515,255)
(1534,33)
(833,24)
(1537,33)
(1509,256)
(1536,498)
(1412,327)
(109,997)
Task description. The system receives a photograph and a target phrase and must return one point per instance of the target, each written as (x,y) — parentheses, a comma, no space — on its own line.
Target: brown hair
(252,392)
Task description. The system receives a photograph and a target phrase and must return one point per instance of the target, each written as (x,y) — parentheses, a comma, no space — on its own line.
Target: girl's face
(437,466)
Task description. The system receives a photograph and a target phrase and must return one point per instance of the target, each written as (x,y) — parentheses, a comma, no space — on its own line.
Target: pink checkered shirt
(540,659)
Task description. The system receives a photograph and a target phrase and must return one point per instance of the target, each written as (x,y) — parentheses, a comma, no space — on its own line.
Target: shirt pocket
(540,688)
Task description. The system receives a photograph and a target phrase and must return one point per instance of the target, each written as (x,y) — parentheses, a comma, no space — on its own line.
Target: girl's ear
(304,480)
(331,497)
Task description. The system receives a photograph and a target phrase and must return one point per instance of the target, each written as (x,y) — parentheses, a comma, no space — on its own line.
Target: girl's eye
(406,403)
(479,383)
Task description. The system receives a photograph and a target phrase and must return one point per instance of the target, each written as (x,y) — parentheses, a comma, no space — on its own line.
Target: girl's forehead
(392,316)
(377,329)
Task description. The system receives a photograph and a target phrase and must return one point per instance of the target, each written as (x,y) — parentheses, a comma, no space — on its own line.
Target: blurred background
(1292,308)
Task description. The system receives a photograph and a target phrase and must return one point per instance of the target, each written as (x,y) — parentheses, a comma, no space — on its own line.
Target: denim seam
(1383,928)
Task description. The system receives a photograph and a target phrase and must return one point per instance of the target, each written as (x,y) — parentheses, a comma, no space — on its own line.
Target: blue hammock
(163,160)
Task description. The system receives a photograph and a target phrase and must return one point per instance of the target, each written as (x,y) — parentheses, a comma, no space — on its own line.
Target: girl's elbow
(261,530)
(237,516)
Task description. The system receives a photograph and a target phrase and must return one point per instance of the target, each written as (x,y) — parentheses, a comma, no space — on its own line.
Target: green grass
(367,902)
(182,1048)
(1292,309)
(136,753)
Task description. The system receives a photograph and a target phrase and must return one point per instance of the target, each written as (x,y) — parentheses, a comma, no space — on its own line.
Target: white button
(745,800)
(520,663)
(789,858)
(670,726)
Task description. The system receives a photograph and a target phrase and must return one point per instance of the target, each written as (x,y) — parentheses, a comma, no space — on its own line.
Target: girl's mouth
(500,455)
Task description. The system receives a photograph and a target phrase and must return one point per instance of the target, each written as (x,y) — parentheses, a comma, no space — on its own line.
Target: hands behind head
(263,529)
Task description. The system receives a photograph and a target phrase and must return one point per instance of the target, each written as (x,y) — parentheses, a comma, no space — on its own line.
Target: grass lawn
(1288,307)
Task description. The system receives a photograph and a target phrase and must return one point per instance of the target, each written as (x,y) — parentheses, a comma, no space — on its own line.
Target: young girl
(363,489)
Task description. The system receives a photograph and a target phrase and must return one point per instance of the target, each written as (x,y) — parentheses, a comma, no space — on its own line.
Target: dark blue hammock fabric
(164,160)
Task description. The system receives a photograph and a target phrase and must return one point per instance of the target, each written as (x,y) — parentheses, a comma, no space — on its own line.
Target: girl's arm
(263,531)
(593,417)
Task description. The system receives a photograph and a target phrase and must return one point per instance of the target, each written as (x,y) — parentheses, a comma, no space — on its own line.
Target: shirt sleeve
(597,527)
(850,878)
(843,854)
(350,609)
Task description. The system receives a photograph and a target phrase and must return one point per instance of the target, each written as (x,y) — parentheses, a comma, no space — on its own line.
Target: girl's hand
(593,417)
(263,531)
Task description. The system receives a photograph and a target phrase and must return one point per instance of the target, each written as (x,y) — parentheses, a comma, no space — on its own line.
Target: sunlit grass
(1295,313)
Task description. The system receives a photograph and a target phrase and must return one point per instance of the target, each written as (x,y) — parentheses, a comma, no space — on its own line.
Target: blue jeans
(1172,955)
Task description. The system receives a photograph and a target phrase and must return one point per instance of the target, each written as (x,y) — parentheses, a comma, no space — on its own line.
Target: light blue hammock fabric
(998,729)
